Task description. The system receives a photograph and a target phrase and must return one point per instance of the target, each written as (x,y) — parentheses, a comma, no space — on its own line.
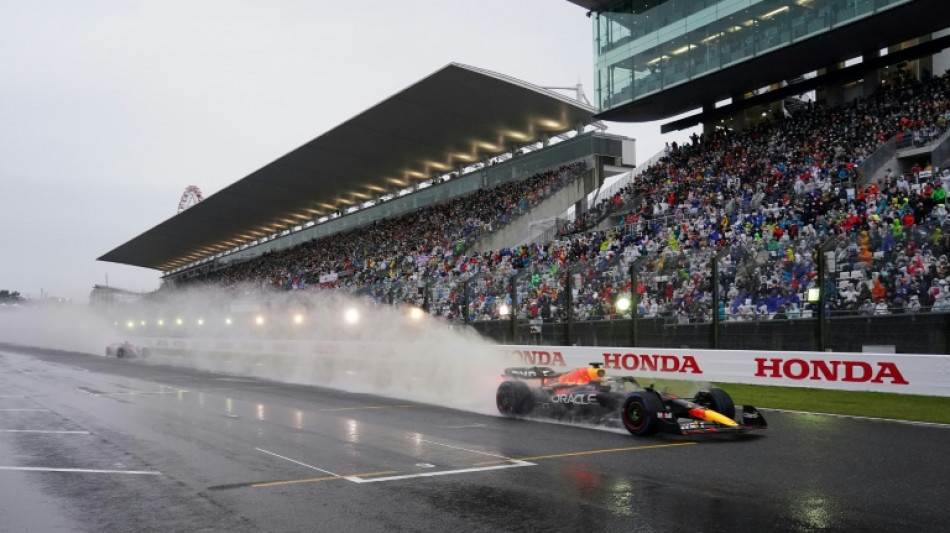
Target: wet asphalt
(89,443)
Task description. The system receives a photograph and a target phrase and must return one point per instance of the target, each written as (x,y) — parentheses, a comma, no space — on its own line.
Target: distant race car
(125,349)
(588,395)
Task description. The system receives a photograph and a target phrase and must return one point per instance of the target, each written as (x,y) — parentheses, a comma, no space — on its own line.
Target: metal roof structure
(860,37)
(593,5)
(455,117)
(854,39)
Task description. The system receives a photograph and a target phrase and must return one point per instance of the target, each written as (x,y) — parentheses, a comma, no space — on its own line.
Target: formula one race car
(588,395)
(125,349)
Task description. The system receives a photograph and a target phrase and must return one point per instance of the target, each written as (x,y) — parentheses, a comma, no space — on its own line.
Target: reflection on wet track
(96,444)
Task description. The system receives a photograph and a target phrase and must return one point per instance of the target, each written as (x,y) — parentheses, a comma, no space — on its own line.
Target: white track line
(131,393)
(298,462)
(25,409)
(139,393)
(54,431)
(858,417)
(465,449)
(81,470)
(513,464)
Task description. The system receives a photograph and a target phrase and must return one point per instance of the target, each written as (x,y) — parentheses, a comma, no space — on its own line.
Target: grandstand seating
(763,200)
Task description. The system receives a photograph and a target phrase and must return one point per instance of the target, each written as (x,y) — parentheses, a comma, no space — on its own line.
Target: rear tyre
(120,352)
(639,413)
(513,399)
(720,401)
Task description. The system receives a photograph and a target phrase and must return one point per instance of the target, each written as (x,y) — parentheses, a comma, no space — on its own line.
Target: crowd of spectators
(763,200)
(770,195)
(428,243)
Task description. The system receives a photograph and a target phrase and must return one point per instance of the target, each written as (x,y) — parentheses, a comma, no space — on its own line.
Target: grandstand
(823,226)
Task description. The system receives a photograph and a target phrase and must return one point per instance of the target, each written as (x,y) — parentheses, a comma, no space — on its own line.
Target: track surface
(89,443)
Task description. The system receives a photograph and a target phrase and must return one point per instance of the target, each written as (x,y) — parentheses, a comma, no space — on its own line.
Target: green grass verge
(870,404)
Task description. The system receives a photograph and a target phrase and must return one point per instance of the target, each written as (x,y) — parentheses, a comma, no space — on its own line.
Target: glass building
(715,49)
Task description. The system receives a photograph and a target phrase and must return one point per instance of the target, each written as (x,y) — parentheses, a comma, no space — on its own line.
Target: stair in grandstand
(536,221)
(609,218)
(794,104)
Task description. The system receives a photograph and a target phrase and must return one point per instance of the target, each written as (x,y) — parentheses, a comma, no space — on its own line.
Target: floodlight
(623,303)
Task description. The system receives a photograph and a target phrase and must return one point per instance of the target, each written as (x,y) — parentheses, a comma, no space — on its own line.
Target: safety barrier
(923,374)
(898,373)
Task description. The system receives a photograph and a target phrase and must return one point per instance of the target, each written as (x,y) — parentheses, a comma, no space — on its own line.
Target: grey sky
(109,109)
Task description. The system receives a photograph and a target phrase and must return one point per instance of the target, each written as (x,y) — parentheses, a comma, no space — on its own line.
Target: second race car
(125,349)
(588,395)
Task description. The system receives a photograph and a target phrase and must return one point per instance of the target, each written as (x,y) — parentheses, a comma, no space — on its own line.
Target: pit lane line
(82,470)
(59,432)
(360,478)
(507,463)
(50,431)
(299,463)
(370,477)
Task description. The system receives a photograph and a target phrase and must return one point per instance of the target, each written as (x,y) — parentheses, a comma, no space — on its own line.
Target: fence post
(634,304)
(822,273)
(569,299)
(513,309)
(715,302)
(464,305)
(715,297)
(425,297)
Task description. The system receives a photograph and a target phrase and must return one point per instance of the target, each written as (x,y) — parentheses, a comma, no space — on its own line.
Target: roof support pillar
(831,95)
(872,80)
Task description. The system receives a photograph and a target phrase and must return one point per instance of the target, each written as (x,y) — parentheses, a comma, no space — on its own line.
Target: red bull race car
(588,395)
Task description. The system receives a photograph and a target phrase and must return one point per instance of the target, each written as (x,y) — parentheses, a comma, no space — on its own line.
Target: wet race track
(89,443)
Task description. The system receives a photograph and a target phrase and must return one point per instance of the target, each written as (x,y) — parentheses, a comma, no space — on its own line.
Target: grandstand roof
(456,116)
(593,5)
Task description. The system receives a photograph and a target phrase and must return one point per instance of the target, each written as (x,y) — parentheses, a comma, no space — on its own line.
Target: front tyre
(719,400)
(639,413)
(513,398)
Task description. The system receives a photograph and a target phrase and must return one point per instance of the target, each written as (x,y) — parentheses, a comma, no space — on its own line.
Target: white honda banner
(902,373)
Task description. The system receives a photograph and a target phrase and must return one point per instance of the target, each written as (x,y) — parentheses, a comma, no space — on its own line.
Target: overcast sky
(109,109)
